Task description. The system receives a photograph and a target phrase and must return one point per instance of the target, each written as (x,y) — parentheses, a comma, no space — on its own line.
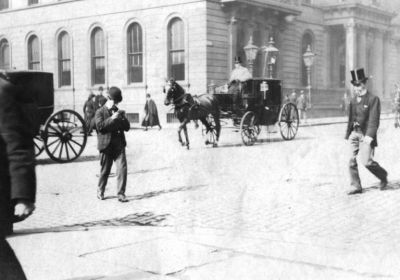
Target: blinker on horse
(187,109)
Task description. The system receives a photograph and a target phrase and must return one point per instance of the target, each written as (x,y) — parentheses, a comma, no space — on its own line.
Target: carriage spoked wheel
(211,134)
(288,121)
(64,136)
(249,130)
(38,144)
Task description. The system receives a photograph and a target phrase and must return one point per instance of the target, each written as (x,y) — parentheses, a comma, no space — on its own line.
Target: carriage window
(307,40)
(4,54)
(135,54)
(33,53)
(176,49)
(32,2)
(64,60)
(98,56)
(4,4)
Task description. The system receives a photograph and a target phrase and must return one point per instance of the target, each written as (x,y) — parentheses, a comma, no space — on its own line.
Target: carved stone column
(362,48)
(377,66)
(351,49)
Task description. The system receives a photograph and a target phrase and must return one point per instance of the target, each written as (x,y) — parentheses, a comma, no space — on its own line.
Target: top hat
(115,94)
(358,77)
(237,59)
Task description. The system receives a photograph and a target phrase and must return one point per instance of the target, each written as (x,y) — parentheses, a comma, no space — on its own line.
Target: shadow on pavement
(392,186)
(262,141)
(135,219)
(47,161)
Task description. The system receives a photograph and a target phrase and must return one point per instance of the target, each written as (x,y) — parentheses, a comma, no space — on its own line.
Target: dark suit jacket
(105,125)
(367,114)
(17,159)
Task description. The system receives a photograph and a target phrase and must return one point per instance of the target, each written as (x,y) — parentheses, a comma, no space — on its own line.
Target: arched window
(4,54)
(4,4)
(307,40)
(176,49)
(33,53)
(97,47)
(64,59)
(135,53)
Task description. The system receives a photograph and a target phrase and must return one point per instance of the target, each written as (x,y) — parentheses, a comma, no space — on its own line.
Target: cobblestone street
(287,200)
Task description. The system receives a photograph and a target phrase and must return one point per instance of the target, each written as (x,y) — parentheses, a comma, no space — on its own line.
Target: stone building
(137,44)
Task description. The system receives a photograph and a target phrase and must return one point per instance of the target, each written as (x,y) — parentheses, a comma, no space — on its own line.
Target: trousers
(366,153)
(106,162)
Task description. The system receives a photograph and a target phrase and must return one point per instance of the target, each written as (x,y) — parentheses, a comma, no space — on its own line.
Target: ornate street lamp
(308,58)
(251,52)
(270,57)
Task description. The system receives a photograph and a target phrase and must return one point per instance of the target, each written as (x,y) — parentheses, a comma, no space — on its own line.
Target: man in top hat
(239,75)
(111,124)
(363,124)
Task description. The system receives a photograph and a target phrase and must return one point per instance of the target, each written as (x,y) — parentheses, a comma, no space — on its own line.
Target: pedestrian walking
(293,97)
(302,105)
(89,109)
(363,124)
(345,103)
(100,100)
(111,124)
(17,174)
(150,114)
(396,105)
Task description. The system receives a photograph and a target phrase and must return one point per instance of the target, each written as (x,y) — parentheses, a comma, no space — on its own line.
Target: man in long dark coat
(151,114)
(17,174)
(362,128)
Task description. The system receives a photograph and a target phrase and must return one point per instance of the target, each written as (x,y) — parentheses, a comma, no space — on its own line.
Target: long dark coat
(89,109)
(367,113)
(151,114)
(17,160)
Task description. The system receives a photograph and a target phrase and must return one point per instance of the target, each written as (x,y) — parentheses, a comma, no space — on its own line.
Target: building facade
(136,45)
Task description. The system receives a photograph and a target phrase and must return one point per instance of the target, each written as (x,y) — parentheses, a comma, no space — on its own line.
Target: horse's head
(173,91)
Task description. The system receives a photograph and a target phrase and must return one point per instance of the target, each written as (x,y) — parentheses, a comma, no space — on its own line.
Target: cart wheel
(288,121)
(248,130)
(212,133)
(64,136)
(39,145)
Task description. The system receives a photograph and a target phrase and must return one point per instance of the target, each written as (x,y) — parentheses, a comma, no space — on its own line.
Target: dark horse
(187,108)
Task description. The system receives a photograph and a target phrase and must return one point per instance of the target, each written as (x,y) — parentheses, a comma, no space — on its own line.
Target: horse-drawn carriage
(61,134)
(259,102)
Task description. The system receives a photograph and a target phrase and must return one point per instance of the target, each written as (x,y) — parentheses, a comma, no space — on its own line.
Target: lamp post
(270,56)
(251,52)
(308,58)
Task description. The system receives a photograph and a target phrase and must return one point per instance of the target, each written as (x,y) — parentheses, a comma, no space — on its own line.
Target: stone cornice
(286,9)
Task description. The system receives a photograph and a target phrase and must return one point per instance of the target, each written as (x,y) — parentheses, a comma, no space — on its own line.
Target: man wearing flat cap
(362,128)
(111,124)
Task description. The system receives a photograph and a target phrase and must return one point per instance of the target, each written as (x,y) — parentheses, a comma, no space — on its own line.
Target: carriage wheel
(65,136)
(248,130)
(288,121)
(39,145)
(212,133)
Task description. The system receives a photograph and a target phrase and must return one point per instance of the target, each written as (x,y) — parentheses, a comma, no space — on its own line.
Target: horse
(187,108)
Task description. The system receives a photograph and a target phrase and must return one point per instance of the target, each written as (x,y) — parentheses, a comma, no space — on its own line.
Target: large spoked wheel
(248,128)
(210,133)
(65,136)
(38,144)
(288,121)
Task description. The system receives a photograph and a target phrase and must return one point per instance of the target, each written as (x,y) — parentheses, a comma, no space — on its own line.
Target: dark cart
(61,134)
(259,103)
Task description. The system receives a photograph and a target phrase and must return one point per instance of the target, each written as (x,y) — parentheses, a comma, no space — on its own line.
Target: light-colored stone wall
(79,17)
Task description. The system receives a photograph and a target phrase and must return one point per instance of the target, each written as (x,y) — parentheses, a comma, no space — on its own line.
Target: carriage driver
(239,75)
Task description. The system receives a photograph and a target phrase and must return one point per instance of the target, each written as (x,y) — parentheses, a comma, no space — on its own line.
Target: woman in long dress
(151,114)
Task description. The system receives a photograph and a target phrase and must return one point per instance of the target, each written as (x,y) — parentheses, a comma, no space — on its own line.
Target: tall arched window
(97,47)
(64,59)
(4,54)
(307,40)
(33,53)
(135,53)
(176,49)
(4,4)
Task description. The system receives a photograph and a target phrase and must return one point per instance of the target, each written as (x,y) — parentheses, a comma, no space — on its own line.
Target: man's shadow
(391,186)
